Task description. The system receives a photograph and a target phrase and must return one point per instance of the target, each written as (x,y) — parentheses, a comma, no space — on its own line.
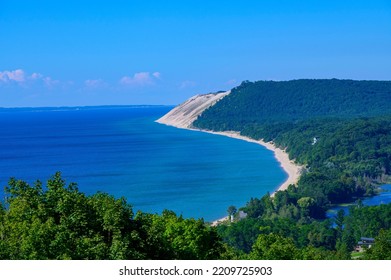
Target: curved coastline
(186,113)
(292,169)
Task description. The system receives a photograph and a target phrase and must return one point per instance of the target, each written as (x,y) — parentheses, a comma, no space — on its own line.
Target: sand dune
(183,115)
(186,113)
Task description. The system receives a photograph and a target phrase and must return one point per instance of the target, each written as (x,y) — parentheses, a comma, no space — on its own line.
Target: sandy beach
(184,115)
(292,169)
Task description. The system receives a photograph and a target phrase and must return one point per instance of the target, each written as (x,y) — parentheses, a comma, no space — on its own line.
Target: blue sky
(71,53)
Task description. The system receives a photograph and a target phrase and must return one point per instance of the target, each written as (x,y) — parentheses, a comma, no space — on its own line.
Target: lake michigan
(122,151)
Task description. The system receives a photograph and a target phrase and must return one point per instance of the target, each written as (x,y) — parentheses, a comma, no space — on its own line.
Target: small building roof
(367,239)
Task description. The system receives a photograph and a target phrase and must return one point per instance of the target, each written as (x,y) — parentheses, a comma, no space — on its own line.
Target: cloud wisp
(19,77)
(140,79)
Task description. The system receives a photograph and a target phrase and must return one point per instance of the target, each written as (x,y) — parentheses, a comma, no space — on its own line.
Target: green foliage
(258,207)
(381,250)
(273,247)
(257,102)
(327,239)
(368,221)
(242,234)
(313,253)
(59,222)
(171,237)
(231,210)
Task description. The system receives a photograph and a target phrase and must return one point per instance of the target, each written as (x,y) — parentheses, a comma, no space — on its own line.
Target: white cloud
(36,76)
(20,77)
(15,75)
(49,82)
(157,75)
(140,79)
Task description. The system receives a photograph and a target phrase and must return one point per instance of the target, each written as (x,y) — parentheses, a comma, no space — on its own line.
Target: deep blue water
(122,151)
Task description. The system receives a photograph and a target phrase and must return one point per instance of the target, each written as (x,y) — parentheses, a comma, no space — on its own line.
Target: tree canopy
(59,222)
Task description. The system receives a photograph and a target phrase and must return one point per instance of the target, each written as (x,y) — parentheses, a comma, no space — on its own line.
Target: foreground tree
(273,247)
(169,236)
(59,222)
(231,212)
(381,250)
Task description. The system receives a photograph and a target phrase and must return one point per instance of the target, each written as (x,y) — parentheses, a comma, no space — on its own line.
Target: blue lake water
(122,151)
(384,197)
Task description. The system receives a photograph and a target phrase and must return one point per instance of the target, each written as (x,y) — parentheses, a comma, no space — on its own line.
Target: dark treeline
(269,101)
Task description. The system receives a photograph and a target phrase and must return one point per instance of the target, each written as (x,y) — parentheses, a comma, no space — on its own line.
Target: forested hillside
(340,130)
(269,101)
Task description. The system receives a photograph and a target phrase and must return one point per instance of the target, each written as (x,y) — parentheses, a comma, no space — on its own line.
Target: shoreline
(292,169)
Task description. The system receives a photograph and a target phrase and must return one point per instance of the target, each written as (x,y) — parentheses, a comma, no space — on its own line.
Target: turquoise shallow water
(122,151)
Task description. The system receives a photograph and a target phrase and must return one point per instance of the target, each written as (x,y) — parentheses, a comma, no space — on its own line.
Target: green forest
(340,130)
(57,221)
